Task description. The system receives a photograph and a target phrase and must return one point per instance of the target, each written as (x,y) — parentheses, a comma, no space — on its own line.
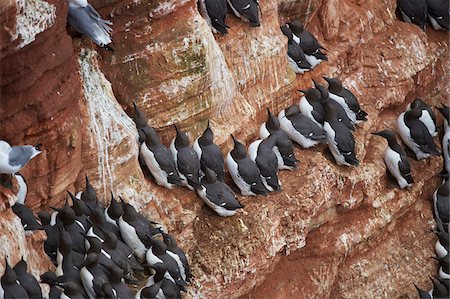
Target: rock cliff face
(333,232)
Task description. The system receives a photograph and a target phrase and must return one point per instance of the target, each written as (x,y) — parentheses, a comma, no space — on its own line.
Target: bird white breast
(197,148)
(426,119)
(243,19)
(286,126)
(442,274)
(435,24)
(53,218)
(296,38)
(151,258)
(263,132)
(78,3)
(109,219)
(152,165)
(238,180)
(306,109)
(2,292)
(440,250)
(341,101)
(64,296)
(79,195)
(88,282)
(340,160)
(280,161)
(91,233)
(295,66)
(391,158)
(179,263)
(253,149)
(131,238)
(22,194)
(312,60)
(59,261)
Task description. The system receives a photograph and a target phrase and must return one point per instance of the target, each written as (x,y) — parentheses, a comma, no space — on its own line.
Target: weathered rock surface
(333,232)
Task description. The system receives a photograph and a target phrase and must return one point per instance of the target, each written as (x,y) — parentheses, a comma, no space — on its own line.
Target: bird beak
(302,91)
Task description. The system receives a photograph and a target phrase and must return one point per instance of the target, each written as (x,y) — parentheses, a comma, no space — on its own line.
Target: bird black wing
(213,159)
(164,158)
(307,127)
(405,169)
(421,136)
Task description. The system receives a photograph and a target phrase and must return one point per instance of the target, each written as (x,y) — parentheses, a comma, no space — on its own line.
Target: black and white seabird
(136,231)
(427,118)
(99,224)
(159,160)
(89,196)
(441,203)
(120,253)
(284,148)
(13,159)
(444,267)
(81,211)
(244,171)
(218,195)
(52,232)
(295,55)
(209,153)
(439,289)
(71,290)
(86,20)
(396,160)
(311,106)
(215,14)
(422,293)
(104,258)
(92,276)
(261,151)
(75,229)
(438,13)
(346,99)
(415,134)
(117,283)
(445,111)
(340,111)
(152,291)
(442,244)
(113,211)
(157,253)
(50,278)
(186,159)
(141,122)
(27,280)
(26,216)
(340,138)
(246,10)
(301,128)
(308,43)
(173,249)
(414,11)
(10,286)
(66,259)
(167,286)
